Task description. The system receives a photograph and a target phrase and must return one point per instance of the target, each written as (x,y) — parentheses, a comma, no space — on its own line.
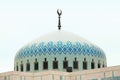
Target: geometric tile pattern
(60,48)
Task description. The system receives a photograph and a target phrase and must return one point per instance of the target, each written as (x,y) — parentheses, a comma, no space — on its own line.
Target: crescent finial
(59,12)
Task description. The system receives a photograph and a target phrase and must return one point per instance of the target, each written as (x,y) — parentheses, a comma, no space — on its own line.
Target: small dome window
(21,66)
(36,65)
(103,65)
(28,66)
(84,64)
(17,69)
(55,64)
(92,64)
(75,64)
(99,64)
(65,63)
(45,64)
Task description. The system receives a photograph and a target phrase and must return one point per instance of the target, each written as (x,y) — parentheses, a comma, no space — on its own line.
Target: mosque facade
(61,55)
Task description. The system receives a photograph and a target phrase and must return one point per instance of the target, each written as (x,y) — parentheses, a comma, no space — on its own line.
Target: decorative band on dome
(60,47)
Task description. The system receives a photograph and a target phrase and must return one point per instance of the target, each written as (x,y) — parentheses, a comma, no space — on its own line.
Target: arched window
(103,65)
(92,64)
(45,64)
(28,66)
(65,63)
(55,64)
(99,64)
(84,64)
(36,65)
(21,66)
(75,64)
(14,68)
(17,69)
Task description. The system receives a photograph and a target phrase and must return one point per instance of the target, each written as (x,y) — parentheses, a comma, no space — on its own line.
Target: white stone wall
(57,75)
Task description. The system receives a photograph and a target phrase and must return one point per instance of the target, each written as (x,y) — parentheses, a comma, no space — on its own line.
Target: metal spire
(59,12)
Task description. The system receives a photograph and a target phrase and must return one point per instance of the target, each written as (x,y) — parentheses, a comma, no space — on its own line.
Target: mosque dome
(59,50)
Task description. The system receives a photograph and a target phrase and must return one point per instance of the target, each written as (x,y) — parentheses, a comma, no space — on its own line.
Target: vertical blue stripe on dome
(70,50)
(49,47)
(49,50)
(64,49)
(75,49)
(69,44)
(34,50)
(69,47)
(44,49)
(50,44)
(78,44)
(40,48)
(59,43)
(54,49)
(60,48)
(79,50)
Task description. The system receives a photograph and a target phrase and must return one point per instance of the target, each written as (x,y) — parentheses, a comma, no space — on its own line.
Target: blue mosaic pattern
(60,48)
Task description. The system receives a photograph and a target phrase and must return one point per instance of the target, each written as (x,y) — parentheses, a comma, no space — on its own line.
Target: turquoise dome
(59,45)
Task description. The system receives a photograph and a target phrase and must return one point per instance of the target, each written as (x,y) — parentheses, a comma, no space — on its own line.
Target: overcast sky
(22,21)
